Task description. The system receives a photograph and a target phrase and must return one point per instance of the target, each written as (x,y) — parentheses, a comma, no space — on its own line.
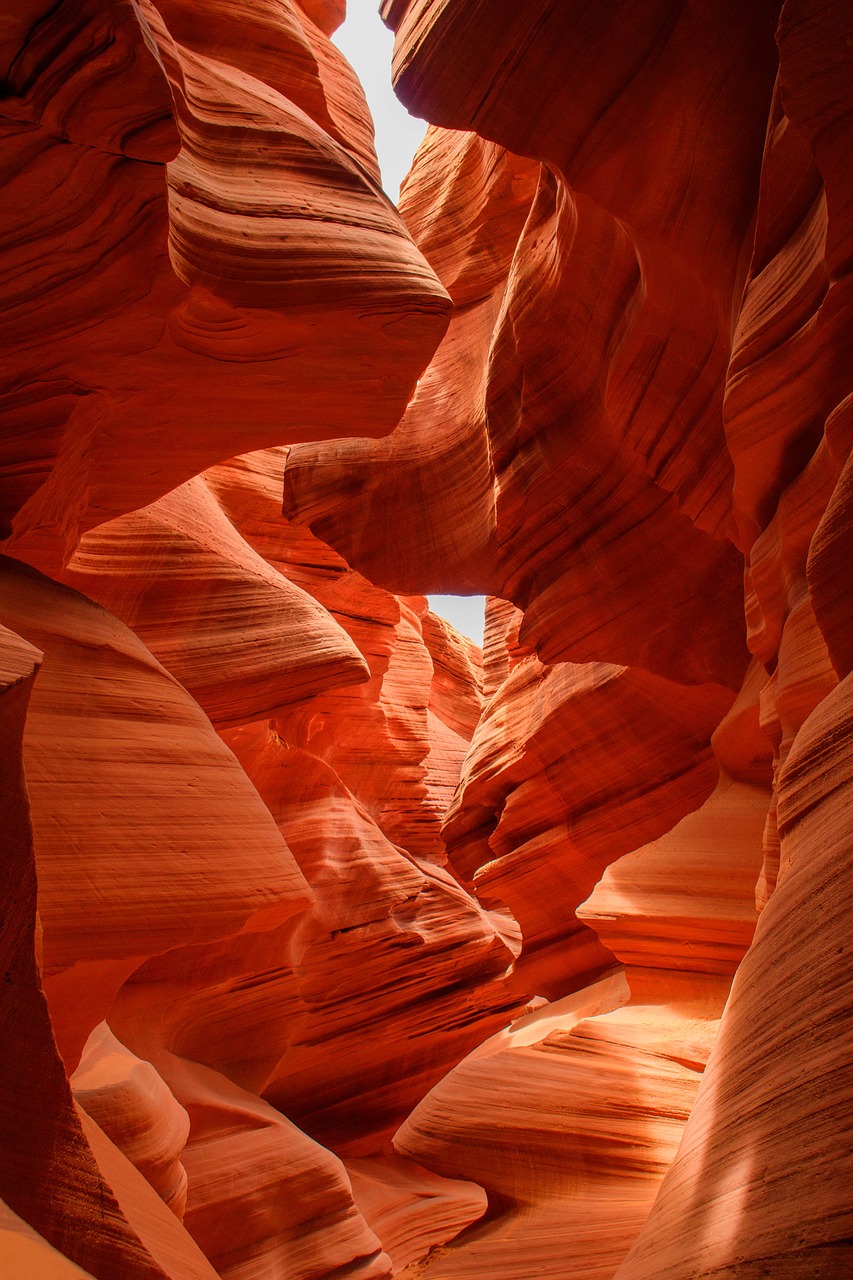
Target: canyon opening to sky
(426,702)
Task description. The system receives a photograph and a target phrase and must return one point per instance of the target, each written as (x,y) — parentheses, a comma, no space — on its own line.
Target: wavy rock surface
(763,1119)
(130,1102)
(191,256)
(586,392)
(141,815)
(397,741)
(685,904)
(173,1251)
(57,1201)
(569,1120)
(263,1198)
(286,850)
(411,1209)
(543,807)
(182,578)
(304,1014)
(467,209)
(784,1125)
(586,1097)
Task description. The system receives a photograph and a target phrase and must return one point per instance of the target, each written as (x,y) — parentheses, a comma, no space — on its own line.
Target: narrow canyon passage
(335,945)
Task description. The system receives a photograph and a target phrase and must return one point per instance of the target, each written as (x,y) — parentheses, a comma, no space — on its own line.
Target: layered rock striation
(333,946)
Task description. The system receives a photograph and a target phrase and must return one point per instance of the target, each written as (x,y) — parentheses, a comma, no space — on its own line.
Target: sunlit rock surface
(411,1209)
(135,1108)
(55,1201)
(542,805)
(141,815)
(333,947)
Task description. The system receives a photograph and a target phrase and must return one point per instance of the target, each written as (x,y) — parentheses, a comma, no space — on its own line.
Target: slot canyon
(333,946)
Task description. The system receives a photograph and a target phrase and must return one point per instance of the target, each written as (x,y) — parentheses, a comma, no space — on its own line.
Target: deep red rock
(564,922)
(176,287)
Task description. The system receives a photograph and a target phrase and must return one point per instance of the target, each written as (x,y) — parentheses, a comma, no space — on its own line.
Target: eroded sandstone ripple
(333,947)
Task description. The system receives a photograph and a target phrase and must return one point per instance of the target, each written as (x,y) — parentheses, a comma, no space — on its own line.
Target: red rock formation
(761,1179)
(543,806)
(182,578)
(54,1193)
(195,286)
(136,805)
(586,391)
(23,1252)
(283,848)
(345,1018)
(569,1120)
(474,197)
(781,1124)
(590,1092)
(397,741)
(126,1097)
(264,1198)
(412,1210)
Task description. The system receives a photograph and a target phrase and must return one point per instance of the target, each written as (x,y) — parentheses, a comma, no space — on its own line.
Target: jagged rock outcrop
(331,946)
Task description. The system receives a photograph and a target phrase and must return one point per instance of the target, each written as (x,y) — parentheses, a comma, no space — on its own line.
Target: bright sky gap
(367,44)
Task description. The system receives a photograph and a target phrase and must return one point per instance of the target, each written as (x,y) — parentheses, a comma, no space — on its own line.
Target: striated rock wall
(331,945)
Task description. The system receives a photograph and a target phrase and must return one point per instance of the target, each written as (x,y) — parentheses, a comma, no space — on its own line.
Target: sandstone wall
(331,945)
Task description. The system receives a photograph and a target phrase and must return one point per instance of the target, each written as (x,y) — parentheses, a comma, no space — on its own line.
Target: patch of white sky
(367,45)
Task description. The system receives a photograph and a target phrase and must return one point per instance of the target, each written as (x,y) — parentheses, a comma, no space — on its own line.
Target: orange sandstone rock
(263,1198)
(141,815)
(596,399)
(761,1177)
(569,1119)
(829,561)
(345,1017)
(410,1208)
(183,579)
(466,204)
(173,1251)
(23,1252)
(543,807)
(182,288)
(680,914)
(130,1102)
(55,1200)
(644,389)
(397,741)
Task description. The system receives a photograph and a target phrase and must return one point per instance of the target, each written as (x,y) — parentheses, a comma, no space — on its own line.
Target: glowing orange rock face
(397,740)
(180,575)
(130,1102)
(762,1115)
(261,1194)
(366,954)
(542,807)
(584,389)
(55,1202)
(177,287)
(114,747)
(301,1014)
